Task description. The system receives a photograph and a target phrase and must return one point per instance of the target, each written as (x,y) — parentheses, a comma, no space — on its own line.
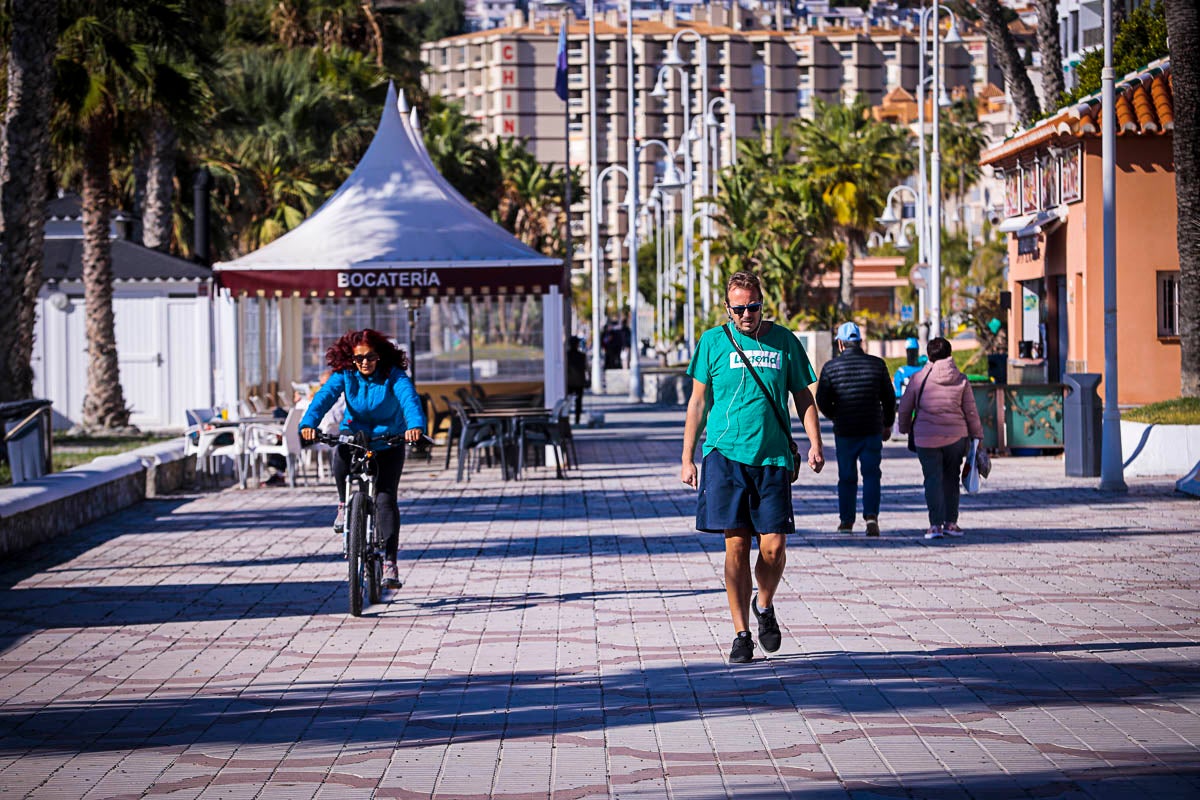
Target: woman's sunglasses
(753,308)
(365,358)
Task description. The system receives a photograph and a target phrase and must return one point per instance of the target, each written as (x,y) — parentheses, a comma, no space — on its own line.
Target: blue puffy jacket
(378,405)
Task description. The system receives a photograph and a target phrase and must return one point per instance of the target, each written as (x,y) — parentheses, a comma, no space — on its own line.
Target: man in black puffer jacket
(855,392)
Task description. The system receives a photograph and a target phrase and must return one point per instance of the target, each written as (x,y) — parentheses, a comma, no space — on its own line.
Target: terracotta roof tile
(1162,103)
(1144,110)
(1143,106)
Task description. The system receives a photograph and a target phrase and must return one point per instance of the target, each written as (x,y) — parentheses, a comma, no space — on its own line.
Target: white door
(189,357)
(140,355)
(60,359)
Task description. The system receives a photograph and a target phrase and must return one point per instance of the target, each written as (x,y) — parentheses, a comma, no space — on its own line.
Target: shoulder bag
(771,402)
(912,426)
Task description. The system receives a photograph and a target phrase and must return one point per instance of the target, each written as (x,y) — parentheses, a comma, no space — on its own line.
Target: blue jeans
(850,451)
(942,468)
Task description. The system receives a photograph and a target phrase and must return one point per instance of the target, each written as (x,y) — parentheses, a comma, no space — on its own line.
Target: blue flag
(560,65)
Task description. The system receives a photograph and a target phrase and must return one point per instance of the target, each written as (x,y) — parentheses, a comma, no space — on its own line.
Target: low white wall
(1155,450)
(55,504)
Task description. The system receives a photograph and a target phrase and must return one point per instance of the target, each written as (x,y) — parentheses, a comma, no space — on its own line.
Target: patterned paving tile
(567,640)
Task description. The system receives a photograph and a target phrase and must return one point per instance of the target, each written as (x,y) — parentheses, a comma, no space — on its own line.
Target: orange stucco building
(1053,211)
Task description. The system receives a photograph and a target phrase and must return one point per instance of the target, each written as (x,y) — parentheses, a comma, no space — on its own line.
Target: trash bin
(1081,425)
(998,367)
(27,438)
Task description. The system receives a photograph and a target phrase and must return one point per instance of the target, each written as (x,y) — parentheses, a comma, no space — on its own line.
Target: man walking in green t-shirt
(745,485)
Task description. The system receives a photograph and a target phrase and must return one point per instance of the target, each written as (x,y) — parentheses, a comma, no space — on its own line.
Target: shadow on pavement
(945,694)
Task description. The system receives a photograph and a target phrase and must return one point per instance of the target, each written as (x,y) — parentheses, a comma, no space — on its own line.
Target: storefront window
(1032,343)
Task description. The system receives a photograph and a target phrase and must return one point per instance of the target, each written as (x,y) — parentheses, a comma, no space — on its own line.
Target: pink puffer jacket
(947,411)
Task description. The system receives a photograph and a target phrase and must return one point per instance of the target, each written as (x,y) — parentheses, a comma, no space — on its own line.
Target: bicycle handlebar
(356,440)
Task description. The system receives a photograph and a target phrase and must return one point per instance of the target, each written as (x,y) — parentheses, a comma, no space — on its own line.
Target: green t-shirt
(740,424)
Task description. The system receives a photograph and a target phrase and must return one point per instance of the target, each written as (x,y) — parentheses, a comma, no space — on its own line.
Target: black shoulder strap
(917,404)
(754,373)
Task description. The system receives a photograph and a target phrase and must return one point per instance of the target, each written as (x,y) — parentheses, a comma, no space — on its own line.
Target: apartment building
(771,72)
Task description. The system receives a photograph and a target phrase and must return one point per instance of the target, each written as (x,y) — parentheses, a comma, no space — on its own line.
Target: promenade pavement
(568,638)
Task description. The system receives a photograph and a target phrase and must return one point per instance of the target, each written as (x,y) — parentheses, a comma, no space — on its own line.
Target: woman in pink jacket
(946,418)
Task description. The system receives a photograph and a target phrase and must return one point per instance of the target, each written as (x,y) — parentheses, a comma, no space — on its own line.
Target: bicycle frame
(365,551)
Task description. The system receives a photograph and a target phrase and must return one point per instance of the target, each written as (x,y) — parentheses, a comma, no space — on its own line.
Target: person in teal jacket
(381,401)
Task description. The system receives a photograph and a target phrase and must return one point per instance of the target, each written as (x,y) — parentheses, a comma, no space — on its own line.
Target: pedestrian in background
(912,365)
(940,398)
(856,394)
(577,374)
(746,483)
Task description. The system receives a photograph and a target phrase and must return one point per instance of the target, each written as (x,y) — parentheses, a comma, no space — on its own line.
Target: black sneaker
(872,527)
(743,649)
(768,628)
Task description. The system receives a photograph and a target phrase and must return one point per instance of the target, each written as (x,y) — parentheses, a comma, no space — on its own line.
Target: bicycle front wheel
(356,530)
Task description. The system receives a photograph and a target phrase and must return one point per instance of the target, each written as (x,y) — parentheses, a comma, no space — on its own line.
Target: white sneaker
(934,532)
(339,522)
(952,529)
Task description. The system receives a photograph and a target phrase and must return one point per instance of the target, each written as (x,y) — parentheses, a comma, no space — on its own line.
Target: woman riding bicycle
(380,402)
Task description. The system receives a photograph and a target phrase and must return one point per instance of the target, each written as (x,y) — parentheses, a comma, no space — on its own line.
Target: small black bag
(795,448)
(912,426)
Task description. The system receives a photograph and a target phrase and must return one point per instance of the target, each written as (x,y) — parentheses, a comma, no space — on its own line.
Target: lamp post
(889,218)
(612,246)
(941,100)
(597,284)
(635,368)
(1112,468)
(675,61)
(671,183)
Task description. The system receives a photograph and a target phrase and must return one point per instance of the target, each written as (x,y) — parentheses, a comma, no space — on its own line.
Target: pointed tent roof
(395,227)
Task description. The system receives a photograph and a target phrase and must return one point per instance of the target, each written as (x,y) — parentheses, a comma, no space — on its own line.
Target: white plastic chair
(209,443)
(268,440)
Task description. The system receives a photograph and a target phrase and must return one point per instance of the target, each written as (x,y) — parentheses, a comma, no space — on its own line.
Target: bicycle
(364,547)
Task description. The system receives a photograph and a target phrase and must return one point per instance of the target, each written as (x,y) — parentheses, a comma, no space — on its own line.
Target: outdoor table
(511,418)
(243,425)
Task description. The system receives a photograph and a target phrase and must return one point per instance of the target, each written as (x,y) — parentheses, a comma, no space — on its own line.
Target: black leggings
(390,463)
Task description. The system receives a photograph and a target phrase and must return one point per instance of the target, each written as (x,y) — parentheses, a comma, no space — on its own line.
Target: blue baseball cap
(849,332)
(911,344)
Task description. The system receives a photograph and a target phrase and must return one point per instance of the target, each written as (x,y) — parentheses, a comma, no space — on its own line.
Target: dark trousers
(390,463)
(851,451)
(942,467)
(578,402)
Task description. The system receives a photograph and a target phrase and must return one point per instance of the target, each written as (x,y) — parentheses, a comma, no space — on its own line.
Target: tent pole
(470,342)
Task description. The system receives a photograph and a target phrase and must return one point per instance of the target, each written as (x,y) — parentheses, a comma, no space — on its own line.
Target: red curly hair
(338,357)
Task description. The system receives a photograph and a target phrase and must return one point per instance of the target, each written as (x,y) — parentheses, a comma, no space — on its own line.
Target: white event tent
(396,248)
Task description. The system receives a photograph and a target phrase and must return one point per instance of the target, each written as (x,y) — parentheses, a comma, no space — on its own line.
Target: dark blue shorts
(734,495)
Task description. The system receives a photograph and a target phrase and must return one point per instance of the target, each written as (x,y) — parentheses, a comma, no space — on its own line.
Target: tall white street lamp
(671,183)
(597,280)
(889,218)
(1112,467)
(635,367)
(927,16)
(607,172)
(675,60)
(597,284)
(613,248)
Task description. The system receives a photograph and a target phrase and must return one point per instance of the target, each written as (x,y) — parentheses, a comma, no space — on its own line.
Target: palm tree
(106,73)
(851,161)
(962,141)
(452,140)
(292,126)
(1051,53)
(1183,25)
(24,167)
(178,110)
(1015,77)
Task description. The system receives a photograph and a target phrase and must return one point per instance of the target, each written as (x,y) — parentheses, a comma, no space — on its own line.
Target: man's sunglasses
(753,308)
(366,358)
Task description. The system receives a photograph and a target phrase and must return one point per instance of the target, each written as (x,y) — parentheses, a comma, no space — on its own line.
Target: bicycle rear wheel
(375,572)
(356,528)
